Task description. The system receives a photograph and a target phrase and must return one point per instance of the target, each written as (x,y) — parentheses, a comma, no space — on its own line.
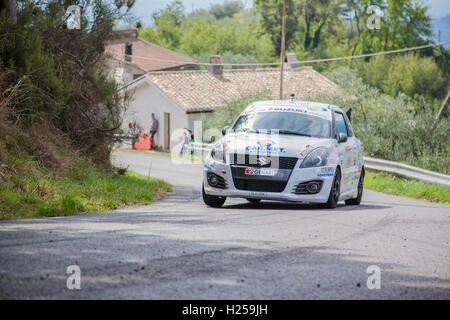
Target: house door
(166,130)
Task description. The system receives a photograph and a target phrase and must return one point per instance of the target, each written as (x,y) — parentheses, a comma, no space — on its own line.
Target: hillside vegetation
(59,113)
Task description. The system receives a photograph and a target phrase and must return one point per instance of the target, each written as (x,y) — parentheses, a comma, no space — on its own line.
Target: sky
(438,9)
(143,9)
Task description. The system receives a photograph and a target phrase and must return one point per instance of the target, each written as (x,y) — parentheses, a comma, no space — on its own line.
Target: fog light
(312,187)
(213,180)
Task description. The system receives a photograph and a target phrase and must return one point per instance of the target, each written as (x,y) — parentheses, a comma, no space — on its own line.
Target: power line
(292,62)
(374,54)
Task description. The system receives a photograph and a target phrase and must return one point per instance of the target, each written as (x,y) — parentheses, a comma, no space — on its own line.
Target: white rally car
(286,150)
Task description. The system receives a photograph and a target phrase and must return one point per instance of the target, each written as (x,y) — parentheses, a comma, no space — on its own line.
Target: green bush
(410,74)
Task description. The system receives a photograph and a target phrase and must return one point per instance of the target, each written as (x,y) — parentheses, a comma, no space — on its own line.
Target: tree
(272,15)
(228,9)
(166,30)
(404,23)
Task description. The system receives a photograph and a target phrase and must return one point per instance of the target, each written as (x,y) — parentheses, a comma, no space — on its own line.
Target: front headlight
(316,158)
(218,153)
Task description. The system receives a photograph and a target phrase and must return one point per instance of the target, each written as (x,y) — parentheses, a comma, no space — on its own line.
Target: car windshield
(285,123)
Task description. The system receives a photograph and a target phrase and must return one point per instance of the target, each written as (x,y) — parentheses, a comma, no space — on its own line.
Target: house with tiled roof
(178,98)
(129,57)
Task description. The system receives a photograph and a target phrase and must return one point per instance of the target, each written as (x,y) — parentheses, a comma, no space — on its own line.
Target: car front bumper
(298,175)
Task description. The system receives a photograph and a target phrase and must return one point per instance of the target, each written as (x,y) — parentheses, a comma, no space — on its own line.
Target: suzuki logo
(263,161)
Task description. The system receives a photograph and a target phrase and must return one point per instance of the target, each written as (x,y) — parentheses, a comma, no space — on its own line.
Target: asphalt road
(178,248)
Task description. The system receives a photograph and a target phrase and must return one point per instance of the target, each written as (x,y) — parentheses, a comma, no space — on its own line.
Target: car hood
(282,145)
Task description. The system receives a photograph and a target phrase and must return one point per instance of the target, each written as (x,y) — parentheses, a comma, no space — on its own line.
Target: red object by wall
(142,142)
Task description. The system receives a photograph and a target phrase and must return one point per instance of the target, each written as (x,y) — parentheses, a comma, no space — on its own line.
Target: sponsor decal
(326,172)
(260,172)
(291,109)
(305,152)
(282,107)
(337,150)
(348,148)
(306,196)
(359,168)
(207,167)
(265,146)
(349,161)
(257,193)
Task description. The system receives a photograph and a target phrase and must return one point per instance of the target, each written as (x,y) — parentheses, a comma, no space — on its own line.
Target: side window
(340,123)
(349,126)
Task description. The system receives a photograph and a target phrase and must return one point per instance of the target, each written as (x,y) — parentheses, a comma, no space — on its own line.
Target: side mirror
(341,137)
(224,130)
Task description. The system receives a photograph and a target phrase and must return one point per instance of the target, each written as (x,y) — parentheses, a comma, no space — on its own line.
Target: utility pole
(283,40)
(441,110)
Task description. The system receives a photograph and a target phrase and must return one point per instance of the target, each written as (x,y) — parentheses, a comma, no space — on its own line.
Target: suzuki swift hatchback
(286,151)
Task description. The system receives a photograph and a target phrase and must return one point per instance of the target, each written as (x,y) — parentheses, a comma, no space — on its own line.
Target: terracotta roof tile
(143,48)
(202,91)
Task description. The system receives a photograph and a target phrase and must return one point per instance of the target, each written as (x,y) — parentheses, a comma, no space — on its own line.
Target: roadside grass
(392,184)
(32,191)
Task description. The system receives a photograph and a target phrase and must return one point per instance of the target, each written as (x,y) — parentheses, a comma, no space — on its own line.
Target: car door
(356,155)
(348,157)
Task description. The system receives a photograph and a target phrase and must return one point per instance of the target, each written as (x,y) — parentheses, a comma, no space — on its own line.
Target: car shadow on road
(272,205)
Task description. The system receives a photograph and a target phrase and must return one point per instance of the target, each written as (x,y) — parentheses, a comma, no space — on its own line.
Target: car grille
(252,161)
(259,185)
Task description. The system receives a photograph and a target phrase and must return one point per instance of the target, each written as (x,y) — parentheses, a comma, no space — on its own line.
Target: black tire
(212,201)
(335,191)
(357,201)
(253,200)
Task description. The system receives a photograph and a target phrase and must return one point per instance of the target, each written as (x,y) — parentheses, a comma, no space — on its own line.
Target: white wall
(148,99)
(121,72)
(193,117)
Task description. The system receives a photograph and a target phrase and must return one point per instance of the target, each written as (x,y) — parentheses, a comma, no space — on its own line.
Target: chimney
(128,51)
(291,58)
(214,69)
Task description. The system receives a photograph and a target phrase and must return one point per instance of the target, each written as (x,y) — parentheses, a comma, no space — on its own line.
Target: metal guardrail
(399,169)
(406,171)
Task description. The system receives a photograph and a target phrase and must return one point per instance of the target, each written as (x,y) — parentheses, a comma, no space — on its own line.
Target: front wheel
(212,201)
(357,201)
(335,191)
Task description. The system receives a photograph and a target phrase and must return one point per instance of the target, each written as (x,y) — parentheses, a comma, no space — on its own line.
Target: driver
(290,123)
